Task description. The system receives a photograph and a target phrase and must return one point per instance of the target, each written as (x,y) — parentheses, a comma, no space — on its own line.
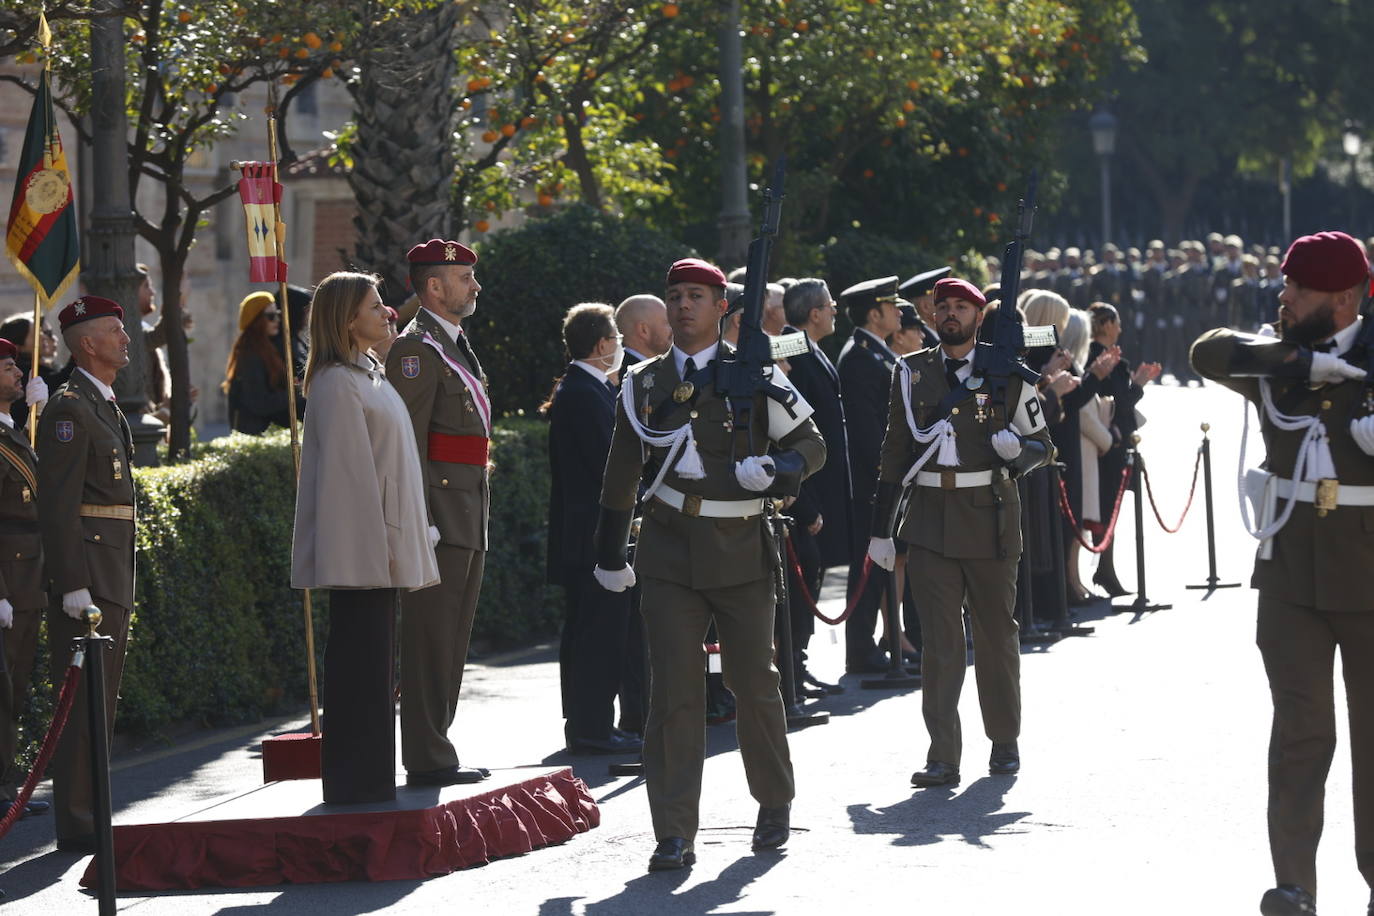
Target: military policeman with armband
(713,450)
(1315,524)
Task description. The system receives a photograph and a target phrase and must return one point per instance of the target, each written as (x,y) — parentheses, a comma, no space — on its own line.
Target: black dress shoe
(810,693)
(448,776)
(773,827)
(1287,900)
(32,808)
(936,774)
(808,678)
(1005,760)
(84,844)
(670,853)
(872,662)
(1110,584)
(615,744)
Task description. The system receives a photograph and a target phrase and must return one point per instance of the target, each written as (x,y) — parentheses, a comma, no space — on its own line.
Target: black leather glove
(788,470)
(1034,454)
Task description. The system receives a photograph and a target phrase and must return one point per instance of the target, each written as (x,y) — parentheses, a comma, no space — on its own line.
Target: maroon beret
(86,308)
(695,270)
(1328,262)
(438,251)
(8,350)
(954,288)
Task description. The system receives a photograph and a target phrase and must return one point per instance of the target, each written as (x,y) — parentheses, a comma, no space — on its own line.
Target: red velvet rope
(811,601)
(59,721)
(1186,506)
(1065,508)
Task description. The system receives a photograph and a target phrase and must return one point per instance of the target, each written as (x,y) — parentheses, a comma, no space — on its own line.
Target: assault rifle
(1003,337)
(740,376)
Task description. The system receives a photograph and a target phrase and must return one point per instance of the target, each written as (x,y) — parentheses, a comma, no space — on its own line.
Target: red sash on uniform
(459,449)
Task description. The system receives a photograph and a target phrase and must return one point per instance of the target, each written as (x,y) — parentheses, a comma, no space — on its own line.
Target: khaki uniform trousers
(20,642)
(676,618)
(990,586)
(436,624)
(71,762)
(1299,645)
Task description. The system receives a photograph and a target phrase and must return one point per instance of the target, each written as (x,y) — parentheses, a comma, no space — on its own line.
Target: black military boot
(1287,900)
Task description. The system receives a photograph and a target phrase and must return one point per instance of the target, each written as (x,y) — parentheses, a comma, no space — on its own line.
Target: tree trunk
(576,157)
(403,153)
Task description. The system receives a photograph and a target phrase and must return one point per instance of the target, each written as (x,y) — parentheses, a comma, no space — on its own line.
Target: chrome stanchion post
(1141,603)
(95,647)
(1213,582)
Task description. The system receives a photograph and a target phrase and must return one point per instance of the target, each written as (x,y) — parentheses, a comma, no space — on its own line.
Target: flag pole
(279,248)
(33,369)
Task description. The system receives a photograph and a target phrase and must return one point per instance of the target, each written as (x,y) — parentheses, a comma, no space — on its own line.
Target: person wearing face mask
(581,414)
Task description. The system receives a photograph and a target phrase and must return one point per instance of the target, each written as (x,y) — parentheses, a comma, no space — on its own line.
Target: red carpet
(425,832)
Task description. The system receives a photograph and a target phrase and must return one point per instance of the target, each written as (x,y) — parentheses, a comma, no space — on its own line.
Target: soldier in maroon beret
(1313,500)
(434,368)
(86,514)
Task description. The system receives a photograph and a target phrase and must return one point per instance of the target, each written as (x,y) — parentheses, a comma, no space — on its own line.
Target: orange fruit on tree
(283,52)
(336,46)
(327,72)
(527,121)
(901,122)
(302,53)
(184,16)
(545,200)
(481,225)
(670,11)
(908,106)
(474,85)
(211,88)
(311,40)
(490,136)
(508,130)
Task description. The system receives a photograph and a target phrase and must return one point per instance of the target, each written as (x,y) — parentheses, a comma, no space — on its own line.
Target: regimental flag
(259,191)
(41,236)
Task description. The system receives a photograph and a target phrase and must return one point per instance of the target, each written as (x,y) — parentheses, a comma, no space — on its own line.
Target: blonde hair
(333,306)
(1043,306)
(1075,338)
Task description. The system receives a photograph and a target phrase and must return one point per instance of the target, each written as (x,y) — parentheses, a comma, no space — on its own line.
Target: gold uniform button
(1326,405)
(954,410)
(1321,513)
(97,537)
(444,482)
(693,415)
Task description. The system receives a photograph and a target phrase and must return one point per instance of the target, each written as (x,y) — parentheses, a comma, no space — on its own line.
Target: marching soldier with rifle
(716,431)
(964,421)
(1315,505)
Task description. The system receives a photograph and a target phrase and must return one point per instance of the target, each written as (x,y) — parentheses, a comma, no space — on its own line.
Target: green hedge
(217,636)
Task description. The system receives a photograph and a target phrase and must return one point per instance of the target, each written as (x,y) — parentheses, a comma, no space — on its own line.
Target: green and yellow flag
(41,236)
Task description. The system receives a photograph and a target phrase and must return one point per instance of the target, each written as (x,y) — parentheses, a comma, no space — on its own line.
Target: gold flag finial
(44,33)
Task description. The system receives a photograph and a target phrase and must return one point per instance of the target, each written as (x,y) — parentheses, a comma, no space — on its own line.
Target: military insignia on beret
(80,307)
(65,430)
(410,366)
(450,253)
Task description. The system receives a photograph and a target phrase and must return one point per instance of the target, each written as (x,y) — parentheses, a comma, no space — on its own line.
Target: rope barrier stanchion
(1063,624)
(794,564)
(797,717)
(65,698)
(1213,581)
(1135,466)
(1192,491)
(95,647)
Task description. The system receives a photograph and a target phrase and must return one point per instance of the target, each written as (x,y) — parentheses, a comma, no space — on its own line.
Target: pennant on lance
(260,191)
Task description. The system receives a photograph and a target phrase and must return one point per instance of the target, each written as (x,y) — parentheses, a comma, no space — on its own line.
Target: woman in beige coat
(361,531)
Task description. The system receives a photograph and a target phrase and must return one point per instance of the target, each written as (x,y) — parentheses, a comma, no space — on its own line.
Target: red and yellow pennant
(261,194)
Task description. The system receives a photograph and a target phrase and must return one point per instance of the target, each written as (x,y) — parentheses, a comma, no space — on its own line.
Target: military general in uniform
(438,376)
(86,515)
(962,526)
(1314,498)
(705,551)
(23,592)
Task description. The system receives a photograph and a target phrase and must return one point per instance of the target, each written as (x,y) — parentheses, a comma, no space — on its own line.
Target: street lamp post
(1350,142)
(1103,127)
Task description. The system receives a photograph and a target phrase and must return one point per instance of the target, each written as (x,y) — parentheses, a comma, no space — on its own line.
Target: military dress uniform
(705,551)
(87,517)
(22,584)
(1312,576)
(865,369)
(444,389)
(963,530)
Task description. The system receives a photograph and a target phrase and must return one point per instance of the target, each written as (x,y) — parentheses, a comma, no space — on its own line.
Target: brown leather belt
(124,513)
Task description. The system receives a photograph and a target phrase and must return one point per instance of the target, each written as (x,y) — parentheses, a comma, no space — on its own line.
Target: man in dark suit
(823,536)
(581,416)
(865,370)
(919,291)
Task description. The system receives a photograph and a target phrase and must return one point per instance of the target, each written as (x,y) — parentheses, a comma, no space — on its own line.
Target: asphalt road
(1142,789)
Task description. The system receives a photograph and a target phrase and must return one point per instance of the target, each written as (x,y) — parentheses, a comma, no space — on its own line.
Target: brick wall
(334,232)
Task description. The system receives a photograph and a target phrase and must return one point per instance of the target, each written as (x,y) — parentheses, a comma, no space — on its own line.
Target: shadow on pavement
(933,815)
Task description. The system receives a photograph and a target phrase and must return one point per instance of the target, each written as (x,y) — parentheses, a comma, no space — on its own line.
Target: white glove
(1328,367)
(73,603)
(433,536)
(6,613)
(1362,431)
(755,473)
(36,394)
(614,580)
(883,552)
(1007,445)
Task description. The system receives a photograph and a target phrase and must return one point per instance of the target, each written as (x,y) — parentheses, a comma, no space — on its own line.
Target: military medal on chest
(981,402)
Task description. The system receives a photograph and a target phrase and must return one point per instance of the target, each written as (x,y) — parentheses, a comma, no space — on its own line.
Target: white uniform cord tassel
(946,452)
(680,441)
(689,465)
(949,447)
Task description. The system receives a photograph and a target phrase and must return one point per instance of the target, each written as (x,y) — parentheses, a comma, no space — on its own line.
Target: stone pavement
(1142,791)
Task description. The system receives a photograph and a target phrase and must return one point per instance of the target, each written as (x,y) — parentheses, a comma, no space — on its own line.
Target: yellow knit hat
(252,306)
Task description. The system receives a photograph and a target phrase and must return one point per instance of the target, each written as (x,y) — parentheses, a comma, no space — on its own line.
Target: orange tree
(188,63)
(917,119)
